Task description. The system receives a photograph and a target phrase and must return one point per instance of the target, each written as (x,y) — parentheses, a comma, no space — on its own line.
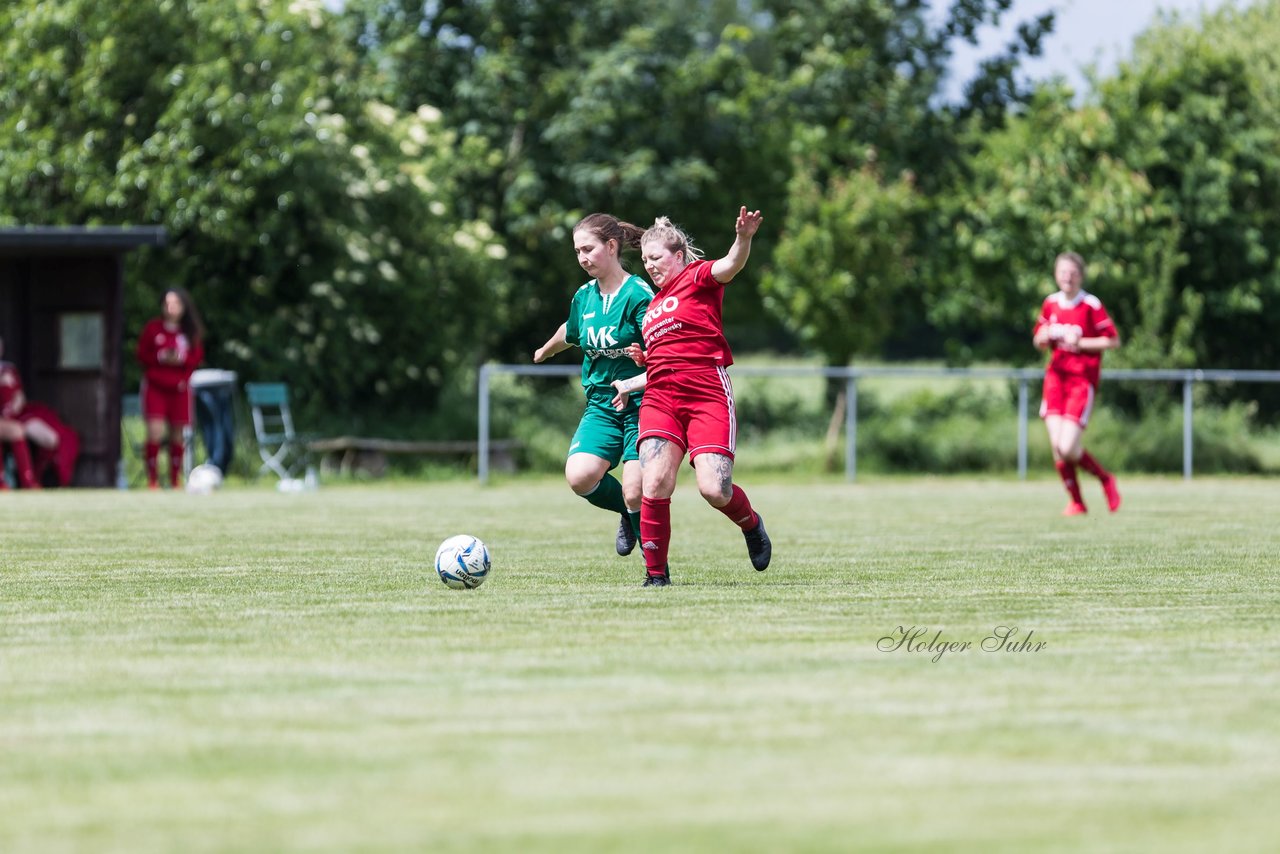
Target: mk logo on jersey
(603,337)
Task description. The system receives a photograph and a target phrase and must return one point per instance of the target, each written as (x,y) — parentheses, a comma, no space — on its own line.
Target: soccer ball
(462,562)
(204,479)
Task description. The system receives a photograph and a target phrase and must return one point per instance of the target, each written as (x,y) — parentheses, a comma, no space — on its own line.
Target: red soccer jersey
(167,377)
(10,387)
(684,324)
(1084,316)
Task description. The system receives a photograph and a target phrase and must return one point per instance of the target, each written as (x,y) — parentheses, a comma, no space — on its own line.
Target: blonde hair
(672,237)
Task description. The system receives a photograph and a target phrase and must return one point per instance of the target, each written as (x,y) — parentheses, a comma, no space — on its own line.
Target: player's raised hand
(748,222)
(636,354)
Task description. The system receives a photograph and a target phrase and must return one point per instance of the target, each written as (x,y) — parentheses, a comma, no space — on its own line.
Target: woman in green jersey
(604,320)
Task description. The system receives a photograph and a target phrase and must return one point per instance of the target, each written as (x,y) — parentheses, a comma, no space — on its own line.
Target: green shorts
(605,432)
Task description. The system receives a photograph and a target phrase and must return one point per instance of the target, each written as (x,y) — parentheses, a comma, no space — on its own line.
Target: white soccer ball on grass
(204,479)
(462,562)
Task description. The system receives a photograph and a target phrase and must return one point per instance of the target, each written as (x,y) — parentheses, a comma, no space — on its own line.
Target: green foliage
(844,275)
(316,228)
(1047,184)
(682,109)
(1195,111)
(370,204)
(860,81)
(1152,442)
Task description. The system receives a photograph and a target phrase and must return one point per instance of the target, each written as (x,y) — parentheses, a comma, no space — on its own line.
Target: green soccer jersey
(603,326)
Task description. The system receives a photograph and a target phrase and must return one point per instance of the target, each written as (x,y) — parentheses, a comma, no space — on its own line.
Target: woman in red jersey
(13,432)
(688,401)
(1075,327)
(169,349)
(24,421)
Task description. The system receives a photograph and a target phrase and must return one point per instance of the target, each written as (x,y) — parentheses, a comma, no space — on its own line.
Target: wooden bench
(355,453)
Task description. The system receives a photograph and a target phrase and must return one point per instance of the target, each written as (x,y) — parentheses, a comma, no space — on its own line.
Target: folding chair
(282,450)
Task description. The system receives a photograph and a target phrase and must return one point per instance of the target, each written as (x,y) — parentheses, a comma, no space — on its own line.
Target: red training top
(157,338)
(1084,316)
(10,387)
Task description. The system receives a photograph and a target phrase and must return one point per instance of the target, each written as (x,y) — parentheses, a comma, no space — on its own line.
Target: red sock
(1067,471)
(150,452)
(739,510)
(175,463)
(655,533)
(1089,464)
(22,461)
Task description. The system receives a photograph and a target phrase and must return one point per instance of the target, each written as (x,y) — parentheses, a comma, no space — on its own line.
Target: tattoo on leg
(724,474)
(650,449)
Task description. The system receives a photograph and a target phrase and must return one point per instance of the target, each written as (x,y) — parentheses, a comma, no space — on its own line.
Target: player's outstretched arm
(744,228)
(555,344)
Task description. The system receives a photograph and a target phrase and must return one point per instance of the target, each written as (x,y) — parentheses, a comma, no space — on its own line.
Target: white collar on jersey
(1062,301)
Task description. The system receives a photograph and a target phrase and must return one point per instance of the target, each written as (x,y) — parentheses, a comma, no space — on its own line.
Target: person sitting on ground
(23,421)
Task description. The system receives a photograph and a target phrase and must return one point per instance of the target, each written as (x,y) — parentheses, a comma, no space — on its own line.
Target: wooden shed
(62,320)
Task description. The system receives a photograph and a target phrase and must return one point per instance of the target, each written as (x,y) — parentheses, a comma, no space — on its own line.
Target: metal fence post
(1022,428)
(851,429)
(1186,426)
(483,444)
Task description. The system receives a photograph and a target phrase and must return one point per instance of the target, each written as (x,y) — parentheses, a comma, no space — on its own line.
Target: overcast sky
(1086,31)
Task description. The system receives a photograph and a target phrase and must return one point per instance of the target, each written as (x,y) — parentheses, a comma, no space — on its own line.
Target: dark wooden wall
(35,292)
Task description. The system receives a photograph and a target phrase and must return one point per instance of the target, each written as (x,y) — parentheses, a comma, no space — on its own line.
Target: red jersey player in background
(22,420)
(1077,330)
(688,400)
(169,349)
(13,434)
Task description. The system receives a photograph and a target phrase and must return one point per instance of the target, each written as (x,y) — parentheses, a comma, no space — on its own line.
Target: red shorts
(1070,397)
(694,409)
(161,405)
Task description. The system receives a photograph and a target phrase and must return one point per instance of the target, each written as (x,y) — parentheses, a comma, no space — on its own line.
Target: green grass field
(252,671)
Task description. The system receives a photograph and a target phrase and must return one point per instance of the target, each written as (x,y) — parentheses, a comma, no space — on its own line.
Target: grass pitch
(252,671)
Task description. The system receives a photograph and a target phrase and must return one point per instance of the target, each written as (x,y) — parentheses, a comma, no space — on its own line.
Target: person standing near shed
(170,348)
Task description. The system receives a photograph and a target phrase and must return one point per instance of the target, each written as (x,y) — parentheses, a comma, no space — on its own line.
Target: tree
(872,150)
(844,277)
(638,109)
(309,220)
(1195,113)
(1050,183)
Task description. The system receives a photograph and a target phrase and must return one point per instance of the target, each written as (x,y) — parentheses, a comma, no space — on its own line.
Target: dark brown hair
(608,227)
(191,324)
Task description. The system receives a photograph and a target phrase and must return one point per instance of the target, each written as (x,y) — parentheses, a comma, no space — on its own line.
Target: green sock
(635,521)
(608,495)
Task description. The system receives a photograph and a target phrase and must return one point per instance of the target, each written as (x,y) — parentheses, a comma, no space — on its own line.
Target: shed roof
(114,238)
